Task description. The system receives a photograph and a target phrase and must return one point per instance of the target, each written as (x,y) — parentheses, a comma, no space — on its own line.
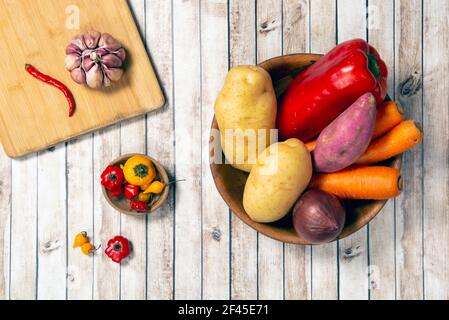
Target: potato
(245,105)
(281,174)
(343,141)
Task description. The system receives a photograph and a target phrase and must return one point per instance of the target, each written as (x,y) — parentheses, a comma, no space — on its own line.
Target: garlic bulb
(95,59)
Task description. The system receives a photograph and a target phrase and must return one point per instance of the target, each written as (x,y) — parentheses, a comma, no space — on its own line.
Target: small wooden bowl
(122,204)
(230,182)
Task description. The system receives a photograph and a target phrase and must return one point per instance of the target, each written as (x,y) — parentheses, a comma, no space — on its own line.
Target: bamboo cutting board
(34,115)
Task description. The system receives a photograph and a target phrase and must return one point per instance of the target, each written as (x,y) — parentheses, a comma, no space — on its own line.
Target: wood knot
(298,12)
(352,252)
(71,277)
(50,246)
(269,25)
(410,86)
(216,234)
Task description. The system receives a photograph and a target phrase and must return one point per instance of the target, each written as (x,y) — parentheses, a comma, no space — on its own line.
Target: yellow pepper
(139,170)
(88,248)
(80,239)
(156,187)
(145,197)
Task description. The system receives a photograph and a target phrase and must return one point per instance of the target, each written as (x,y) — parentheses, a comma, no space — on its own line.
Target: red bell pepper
(131,191)
(117,192)
(117,248)
(112,177)
(323,91)
(138,205)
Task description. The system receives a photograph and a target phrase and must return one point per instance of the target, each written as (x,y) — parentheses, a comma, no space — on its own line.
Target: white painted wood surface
(381,240)
(409,209)
(194,247)
(353,250)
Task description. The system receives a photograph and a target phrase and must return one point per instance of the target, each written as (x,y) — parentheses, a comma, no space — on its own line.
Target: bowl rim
(161,199)
(267,229)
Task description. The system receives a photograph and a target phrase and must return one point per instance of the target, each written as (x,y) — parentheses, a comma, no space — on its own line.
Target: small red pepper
(112,177)
(117,248)
(138,205)
(131,191)
(115,193)
(323,91)
(55,83)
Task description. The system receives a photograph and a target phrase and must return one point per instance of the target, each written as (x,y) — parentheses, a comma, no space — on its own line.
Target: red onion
(318,217)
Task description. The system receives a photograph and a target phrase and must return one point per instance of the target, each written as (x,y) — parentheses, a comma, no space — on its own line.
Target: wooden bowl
(122,204)
(230,182)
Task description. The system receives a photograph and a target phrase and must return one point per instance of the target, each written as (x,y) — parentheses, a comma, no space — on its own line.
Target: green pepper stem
(373,66)
(141,170)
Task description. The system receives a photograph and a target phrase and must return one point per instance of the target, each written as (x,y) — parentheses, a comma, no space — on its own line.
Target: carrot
(401,138)
(389,114)
(311,145)
(360,182)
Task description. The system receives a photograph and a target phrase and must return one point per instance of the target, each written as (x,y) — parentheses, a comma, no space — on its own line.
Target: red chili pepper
(324,90)
(131,191)
(112,177)
(55,83)
(115,193)
(117,248)
(138,205)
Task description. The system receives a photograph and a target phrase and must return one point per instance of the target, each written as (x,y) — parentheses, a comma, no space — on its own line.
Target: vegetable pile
(335,133)
(135,180)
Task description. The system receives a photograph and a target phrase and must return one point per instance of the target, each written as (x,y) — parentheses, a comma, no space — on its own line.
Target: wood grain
(436,149)
(214,66)
(187,103)
(323,36)
(23,246)
(408,77)
(80,216)
(271,253)
(160,142)
(353,251)
(25,100)
(5,223)
(51,226)
(244,260)
(106,220)
(382,228)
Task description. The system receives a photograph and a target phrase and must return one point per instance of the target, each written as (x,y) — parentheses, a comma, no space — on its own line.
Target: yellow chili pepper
(88,248)
(145,197)
(139,170)
(156,187)
(80,239)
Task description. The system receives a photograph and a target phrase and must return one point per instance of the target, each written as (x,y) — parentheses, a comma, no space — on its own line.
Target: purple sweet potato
(345,139)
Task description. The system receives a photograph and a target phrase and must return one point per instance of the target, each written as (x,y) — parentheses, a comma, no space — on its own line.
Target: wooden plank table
(194,247)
